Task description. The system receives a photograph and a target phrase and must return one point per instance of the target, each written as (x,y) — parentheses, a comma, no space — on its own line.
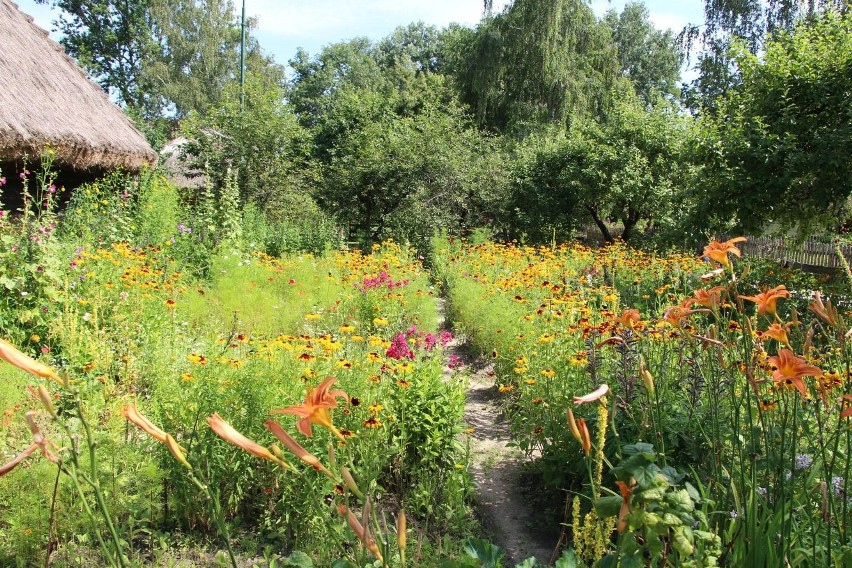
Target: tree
(159,57)
(776,153)
(751,23)
(538,62)
(649,58)
(406,176)
(111,40)
(624,167)
(196,53)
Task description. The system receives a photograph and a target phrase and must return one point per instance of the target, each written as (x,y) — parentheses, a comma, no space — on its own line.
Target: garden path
(509,517)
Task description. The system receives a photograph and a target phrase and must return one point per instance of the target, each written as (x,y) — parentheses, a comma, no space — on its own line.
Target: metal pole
(243,57)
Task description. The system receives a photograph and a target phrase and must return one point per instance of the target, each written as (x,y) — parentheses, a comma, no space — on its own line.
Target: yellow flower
(380,322)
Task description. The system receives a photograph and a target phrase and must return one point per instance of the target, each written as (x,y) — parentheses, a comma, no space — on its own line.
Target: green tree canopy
(649,58)
(777,152)
(626,167)
(537,62)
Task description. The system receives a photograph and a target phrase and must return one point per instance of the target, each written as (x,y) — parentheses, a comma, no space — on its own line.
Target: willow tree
(540,61)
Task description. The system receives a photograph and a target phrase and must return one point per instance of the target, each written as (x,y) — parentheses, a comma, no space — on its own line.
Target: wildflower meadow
(171,393)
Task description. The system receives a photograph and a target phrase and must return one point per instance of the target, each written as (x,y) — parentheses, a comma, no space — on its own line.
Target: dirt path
(508,516)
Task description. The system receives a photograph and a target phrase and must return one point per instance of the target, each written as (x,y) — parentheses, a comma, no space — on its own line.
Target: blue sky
(285,25)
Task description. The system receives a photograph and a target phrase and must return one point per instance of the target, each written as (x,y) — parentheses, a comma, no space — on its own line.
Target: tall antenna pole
(243,57)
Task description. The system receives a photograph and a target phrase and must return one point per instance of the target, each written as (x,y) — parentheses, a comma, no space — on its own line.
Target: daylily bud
(572,426)
(46,401)
(13,356)
(585,437)
(175,449)
(647,378)
(350,482)
(401,536)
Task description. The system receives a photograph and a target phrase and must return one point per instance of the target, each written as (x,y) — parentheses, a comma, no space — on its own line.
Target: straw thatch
(45,98)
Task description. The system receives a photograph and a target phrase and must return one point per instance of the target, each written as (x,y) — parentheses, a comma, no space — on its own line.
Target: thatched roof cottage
(45,98)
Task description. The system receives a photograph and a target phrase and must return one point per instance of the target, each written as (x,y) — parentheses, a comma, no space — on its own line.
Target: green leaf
(681,499)
(567,560)
(530,562)
(299,559)
(342,563)
(682,542)
(608,506)
(487,553)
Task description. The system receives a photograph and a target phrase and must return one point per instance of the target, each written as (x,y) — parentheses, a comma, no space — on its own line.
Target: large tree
(749,22)
(649,58)
(625,167)
(776,154)
(159,57)
(540,61)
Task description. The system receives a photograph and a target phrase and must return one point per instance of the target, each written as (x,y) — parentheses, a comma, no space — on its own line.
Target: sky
(285,25)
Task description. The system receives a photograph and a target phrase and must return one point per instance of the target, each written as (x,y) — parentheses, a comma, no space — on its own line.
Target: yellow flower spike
(13,356)
(46,400)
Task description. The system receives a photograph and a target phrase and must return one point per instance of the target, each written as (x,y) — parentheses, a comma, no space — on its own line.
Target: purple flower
(2,181)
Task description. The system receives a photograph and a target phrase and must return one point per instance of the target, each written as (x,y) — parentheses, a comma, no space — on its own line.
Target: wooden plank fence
(811,253)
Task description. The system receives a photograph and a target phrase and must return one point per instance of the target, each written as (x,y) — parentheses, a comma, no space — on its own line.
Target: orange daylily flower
(674,314)
(13,356)
(315,409)
(767,299)
(592,396)
(719,251)
(846,399)
(625,491)
(296,448)
(778,332)
(230,434)
(704,297)
(629,318)
(790,370)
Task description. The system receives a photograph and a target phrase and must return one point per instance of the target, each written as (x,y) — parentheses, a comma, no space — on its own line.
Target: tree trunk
(601,225)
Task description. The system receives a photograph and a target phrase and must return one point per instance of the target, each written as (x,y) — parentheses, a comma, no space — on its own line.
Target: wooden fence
(811,253)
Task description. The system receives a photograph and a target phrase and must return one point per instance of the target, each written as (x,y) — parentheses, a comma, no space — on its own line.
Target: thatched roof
(45,98)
